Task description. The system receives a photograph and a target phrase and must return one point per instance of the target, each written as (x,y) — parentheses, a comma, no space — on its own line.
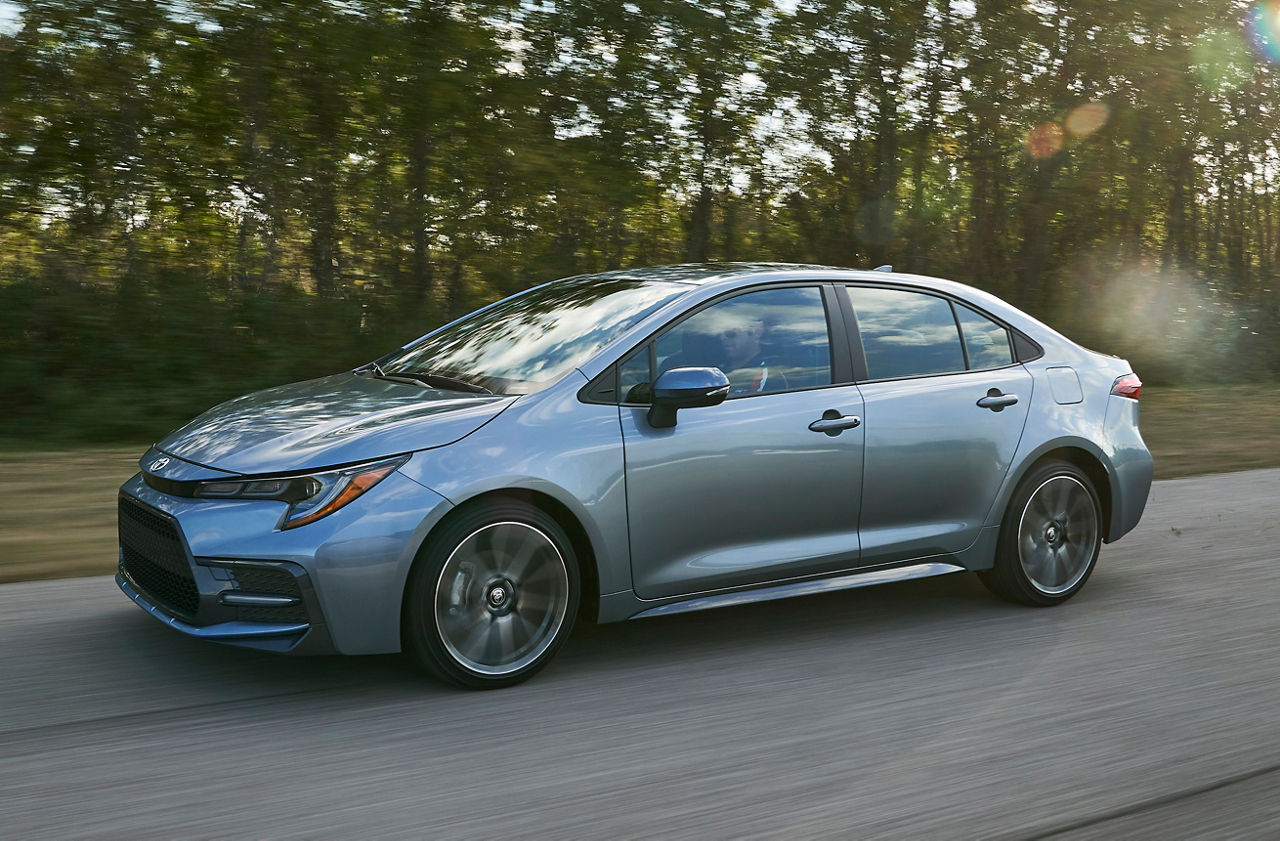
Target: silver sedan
(638,443)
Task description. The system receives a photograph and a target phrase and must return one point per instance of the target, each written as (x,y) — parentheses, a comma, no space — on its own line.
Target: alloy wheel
(1058,535)
(501,598)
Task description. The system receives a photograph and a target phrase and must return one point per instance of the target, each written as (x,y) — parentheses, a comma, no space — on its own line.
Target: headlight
(310,497)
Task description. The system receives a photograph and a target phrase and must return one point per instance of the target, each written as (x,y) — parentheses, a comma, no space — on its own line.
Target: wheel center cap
(1051,534)
(500,596)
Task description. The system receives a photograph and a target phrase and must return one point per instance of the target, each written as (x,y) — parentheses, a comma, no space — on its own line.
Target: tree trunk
(421,269)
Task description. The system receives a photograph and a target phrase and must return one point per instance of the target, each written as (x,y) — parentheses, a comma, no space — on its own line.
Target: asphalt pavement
(1148,706)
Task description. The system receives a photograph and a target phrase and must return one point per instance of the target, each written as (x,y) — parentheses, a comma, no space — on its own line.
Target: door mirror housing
(685,388)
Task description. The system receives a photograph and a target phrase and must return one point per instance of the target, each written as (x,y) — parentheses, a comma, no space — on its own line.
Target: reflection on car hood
(333,420)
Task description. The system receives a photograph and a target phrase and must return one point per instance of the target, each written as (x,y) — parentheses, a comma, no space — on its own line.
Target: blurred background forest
(198,199)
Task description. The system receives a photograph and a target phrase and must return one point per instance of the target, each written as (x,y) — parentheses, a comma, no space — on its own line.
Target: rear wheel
(492,596)
(1050,537)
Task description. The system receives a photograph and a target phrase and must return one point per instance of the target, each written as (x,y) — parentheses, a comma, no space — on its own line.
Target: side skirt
(803,588)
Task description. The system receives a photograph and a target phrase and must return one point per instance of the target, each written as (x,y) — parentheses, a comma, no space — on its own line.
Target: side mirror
(685,388)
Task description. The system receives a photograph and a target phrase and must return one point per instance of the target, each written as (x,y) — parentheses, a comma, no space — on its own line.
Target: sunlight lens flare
(1045,140)
(1264,27)
(1085,119)
(1221,59)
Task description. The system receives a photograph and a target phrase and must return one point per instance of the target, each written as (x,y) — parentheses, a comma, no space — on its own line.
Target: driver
(744,363)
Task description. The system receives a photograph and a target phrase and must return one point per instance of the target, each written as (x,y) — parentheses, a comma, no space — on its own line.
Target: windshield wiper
(373,369)
(425,379)
(447,382)
(370,368)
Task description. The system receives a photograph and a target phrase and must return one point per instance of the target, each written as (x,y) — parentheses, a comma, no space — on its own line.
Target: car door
(945,405)
(745,492)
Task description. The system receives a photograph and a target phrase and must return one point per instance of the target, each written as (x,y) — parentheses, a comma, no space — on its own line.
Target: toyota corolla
(633,444)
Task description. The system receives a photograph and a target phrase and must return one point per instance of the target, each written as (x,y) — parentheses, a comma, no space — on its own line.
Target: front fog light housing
(310,497)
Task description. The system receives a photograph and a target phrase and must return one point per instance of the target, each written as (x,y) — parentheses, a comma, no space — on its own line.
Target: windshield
(526,342)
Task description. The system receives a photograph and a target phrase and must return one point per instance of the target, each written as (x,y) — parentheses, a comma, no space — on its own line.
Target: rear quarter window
(987,343)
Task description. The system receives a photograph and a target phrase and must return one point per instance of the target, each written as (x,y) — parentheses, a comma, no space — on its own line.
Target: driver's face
(742,340)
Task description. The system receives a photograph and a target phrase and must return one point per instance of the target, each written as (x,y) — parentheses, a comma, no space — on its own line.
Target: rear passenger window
(987,342)
(906,334)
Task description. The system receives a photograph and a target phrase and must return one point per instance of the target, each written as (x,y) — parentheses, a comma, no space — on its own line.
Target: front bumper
(218,568)
(268,636)
(264,604)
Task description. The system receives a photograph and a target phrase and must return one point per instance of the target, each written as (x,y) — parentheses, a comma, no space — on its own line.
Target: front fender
(554,445)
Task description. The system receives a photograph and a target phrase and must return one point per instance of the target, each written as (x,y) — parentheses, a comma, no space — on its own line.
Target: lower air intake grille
(269,581)
(152,554)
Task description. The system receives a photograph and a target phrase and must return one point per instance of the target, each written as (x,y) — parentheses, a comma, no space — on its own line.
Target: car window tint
(906,334)
(766,341)
(771,340)
(986,341)
(634,377)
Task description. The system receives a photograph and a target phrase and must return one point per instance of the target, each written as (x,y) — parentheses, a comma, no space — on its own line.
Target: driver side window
(767,341)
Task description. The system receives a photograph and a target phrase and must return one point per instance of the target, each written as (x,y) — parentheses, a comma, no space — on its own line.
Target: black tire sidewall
(421,635)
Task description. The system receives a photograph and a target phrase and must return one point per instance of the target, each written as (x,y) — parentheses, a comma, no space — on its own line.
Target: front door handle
(995,401)
(833,423)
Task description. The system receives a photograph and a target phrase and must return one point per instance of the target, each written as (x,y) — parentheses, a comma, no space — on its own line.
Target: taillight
(1127,386)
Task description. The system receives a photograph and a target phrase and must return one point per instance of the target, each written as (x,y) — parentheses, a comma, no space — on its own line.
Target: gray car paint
(935,460)
(570,454)
(743,492)
(332,420)
(553,445)
(1091,426)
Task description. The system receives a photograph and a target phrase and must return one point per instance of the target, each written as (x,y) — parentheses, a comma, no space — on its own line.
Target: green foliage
(202,198)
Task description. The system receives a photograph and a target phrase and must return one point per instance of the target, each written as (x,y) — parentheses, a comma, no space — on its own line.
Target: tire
(1049,539)
(492,596)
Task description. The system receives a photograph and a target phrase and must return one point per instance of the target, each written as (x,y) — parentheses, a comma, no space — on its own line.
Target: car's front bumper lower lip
(232,632)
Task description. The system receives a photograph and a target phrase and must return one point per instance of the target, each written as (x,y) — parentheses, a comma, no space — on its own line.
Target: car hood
(332,420)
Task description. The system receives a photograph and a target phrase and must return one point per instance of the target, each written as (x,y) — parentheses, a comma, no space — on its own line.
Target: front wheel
(1050,537)
(492,596)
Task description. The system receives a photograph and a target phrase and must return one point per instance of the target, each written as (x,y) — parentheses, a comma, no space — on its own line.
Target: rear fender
(1111,496)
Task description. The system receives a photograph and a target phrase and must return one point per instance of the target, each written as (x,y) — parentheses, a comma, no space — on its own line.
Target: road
(1149,706)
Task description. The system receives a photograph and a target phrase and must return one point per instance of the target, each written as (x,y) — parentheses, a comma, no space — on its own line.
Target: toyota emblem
(158,464)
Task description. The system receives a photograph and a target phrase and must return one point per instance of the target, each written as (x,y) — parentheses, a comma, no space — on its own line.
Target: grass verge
(1211,429)
(58,509)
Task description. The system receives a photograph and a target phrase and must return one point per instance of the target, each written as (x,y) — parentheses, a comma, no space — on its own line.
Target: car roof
(737,274)
(731,275)
(698,274)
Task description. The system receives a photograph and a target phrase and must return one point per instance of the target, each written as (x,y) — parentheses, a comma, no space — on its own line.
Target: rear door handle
(995,401)
(833,423)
